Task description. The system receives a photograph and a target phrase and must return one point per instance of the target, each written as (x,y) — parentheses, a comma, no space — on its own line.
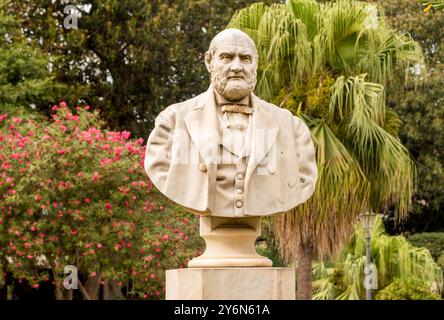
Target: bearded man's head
(232,61)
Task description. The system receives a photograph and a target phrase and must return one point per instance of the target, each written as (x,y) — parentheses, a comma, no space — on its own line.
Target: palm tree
(329,64)
(393,256)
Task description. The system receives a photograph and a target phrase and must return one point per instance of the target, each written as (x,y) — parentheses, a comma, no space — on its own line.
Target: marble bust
(226,152)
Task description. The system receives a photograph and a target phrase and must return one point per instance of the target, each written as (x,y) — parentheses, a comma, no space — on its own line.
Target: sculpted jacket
(182,157)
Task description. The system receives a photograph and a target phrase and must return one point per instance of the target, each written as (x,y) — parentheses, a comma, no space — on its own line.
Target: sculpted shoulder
(281,113)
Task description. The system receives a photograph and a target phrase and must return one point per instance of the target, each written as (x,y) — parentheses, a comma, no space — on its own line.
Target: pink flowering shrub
(74,194)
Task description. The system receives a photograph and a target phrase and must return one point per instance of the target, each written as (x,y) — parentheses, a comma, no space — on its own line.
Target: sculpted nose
(236,66)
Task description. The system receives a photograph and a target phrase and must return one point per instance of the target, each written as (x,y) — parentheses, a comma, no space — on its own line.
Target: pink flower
(32,228)
(91,251)
(87,200)
(55,108)
(27,245)
(99,245)
(93,274)
(165,237)
(106,162)
(88,245)
(63,128)
(61,151)
(74,232)
(87,108)
(62,104)
(37,198)
(148,258)
(126,134)
(95,176)
(29,256)
(108,206)
(36,286)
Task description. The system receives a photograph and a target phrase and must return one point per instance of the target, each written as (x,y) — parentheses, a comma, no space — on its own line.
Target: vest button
(239,204)
(240,176)
(239,191)
(203,167)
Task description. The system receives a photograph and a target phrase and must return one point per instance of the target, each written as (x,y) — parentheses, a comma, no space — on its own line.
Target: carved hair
(221,35)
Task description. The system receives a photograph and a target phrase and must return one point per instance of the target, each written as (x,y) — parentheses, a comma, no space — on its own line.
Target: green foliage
(129,58)
(393,256)
(407,289)
(421,111)
(25,80)
(311,99)
(441,261)
(74,193)
(433,241)
(267,245)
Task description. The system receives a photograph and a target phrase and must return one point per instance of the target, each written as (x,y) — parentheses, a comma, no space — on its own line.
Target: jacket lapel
(264,135)
(203,127)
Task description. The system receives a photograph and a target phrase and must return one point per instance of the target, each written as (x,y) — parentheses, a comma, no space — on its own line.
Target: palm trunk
(304,276)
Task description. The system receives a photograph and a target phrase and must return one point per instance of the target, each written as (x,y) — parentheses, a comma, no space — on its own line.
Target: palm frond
(328,216)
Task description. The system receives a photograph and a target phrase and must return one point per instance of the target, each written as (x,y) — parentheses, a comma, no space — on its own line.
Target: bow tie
(239,108)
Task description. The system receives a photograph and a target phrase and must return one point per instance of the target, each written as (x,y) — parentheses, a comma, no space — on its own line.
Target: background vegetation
(127,61)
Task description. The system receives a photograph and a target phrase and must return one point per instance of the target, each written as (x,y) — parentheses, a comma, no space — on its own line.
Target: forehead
(233,49)
(234,44)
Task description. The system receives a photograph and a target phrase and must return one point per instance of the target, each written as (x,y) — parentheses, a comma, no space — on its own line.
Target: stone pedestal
(230,284)
(230,242)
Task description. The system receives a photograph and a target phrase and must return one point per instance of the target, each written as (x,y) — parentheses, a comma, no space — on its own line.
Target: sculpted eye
(225,57)
(246,58)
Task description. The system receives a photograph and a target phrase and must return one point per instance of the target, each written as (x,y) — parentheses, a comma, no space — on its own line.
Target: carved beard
(233,90)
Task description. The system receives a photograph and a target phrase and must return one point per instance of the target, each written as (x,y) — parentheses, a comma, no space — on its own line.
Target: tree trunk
(9,291)
(304,277)
(93,286)
(58,290)
(83,291)
(112,291)
(68,294)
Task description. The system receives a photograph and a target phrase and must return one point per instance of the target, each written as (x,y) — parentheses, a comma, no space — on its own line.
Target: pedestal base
(230,284)
(230,243)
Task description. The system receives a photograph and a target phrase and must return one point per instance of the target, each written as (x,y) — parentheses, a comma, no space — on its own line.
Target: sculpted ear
(208,60)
